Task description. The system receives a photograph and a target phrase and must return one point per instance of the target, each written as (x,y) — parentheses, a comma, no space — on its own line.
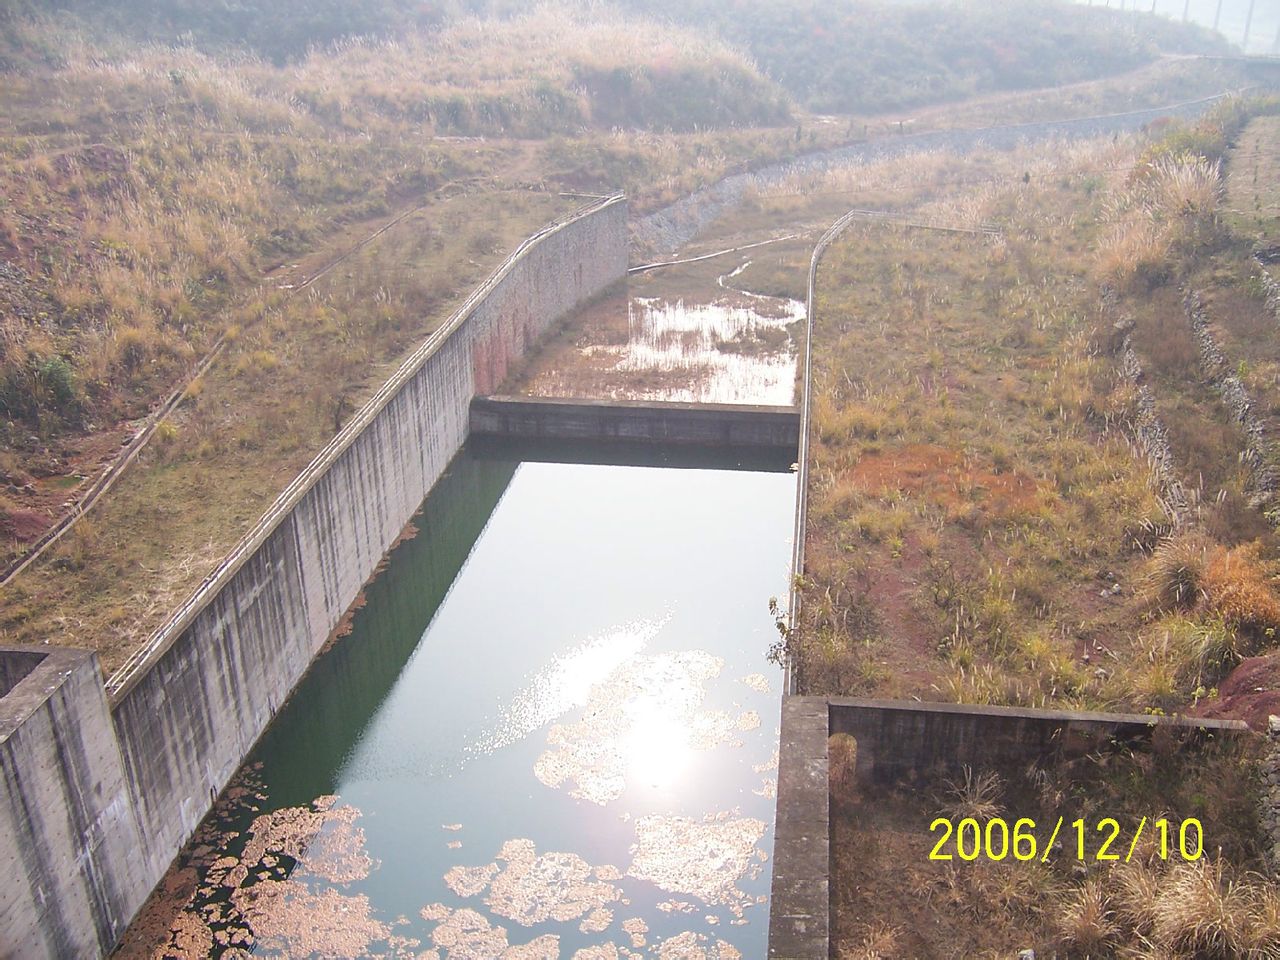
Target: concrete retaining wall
(189,706)
(70,844)
(799,920)
(898,741)
(703,424)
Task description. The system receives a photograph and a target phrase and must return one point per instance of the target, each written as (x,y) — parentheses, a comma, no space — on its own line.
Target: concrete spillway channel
(546,727)
(545,730)
(549,729)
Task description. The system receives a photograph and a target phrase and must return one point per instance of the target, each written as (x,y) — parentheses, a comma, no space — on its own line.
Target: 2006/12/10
(997,840)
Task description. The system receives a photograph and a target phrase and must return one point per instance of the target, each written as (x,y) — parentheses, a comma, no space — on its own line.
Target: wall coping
(1031,713)
(30,693)
(746,409)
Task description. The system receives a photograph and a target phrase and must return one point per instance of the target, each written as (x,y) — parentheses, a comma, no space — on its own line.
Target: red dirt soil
(1250,693)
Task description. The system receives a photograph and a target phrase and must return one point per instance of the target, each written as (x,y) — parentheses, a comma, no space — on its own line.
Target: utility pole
(1275,44)
(1217,16)
(1248,22)
(1186,10)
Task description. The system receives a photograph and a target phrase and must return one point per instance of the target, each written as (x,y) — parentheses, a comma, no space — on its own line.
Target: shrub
(1238,587)
(57,381)
(842,761)
(975,795)
(1203,910)
(879,941)
(1176,572)
(1085,921)
(132,348)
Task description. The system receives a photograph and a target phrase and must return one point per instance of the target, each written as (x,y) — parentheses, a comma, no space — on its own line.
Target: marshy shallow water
(709,343)
(551,732)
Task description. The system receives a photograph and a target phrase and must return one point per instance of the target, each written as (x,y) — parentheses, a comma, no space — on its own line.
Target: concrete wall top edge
(30,692)
(754,409)
(124,679)
(1029,713)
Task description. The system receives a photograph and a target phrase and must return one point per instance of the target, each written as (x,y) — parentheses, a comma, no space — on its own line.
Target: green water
(554,710)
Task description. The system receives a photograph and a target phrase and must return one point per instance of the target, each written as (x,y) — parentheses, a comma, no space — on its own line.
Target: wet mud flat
(687,334)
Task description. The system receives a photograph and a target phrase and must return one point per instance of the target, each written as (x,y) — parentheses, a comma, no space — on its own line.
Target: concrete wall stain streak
(188,707)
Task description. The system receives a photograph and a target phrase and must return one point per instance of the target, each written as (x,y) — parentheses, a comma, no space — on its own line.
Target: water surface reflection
(550,733)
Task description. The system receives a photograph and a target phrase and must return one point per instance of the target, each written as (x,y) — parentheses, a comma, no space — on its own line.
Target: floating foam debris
(770,764)
(546,947)
(454,844)
(557,886)
(696,946)
(597,921)
(705,859)
(635,928)
(322,839)
(451,826)
(530,888)
(285,916)
(769,788)
(603,952)
(470,881)
(757,682)
(465,934)
(676,906)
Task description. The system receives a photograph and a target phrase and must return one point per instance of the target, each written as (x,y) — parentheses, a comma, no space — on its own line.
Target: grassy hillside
(1032,482)
(143,190)
(172,170)
(552,70)
(868,56)
(160,202)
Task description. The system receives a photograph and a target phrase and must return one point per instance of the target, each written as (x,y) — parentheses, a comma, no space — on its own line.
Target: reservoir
(551,731)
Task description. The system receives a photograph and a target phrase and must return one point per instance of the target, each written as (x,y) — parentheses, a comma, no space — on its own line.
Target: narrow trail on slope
(111,473)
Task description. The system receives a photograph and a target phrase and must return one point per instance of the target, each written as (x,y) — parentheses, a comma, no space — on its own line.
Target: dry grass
(1176,573)
(1253,182)
(964,408)
(1169,206)
(970,465)
(284,386)
(1215,907)
(842,761)
(976,795)
(554,68)
(880,942)
(944,375)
